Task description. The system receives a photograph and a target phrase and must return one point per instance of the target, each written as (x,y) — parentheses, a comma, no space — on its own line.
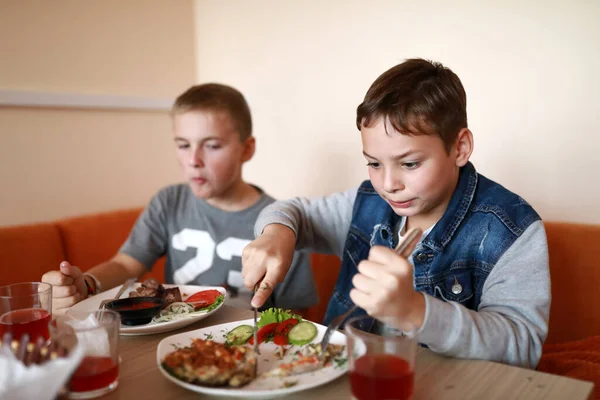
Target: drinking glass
(381,367)
(98,333)
(26,308)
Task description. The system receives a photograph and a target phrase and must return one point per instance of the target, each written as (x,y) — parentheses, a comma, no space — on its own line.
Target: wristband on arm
(95,287)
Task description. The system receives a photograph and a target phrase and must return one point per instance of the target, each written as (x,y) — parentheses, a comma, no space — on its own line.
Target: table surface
(436,377)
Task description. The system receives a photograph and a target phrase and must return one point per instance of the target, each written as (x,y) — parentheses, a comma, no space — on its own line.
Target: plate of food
(220,360)
(182,305)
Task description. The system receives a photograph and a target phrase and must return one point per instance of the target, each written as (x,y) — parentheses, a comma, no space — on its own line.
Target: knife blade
(256,350)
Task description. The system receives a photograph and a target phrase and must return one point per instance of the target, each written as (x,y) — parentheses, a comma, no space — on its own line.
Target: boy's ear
(249,149)
(463,146)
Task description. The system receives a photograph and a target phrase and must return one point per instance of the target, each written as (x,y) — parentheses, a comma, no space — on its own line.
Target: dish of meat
(272,379)
(206,362)
(166,324)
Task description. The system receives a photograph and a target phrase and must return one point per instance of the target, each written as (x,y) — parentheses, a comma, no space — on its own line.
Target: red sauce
(33,321)
(381,376)
(137,306)
(94,373)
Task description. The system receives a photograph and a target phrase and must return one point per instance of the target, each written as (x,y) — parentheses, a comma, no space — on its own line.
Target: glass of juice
(98,332)
(26,308)
(381,366)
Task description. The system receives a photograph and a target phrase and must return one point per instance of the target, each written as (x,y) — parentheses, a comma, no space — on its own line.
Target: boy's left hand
(384,289)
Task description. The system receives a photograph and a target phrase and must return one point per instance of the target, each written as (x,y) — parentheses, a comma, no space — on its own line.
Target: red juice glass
(26,308)
(381,367)
(98,333)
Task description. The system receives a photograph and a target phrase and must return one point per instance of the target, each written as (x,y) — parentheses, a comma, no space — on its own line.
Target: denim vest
(452,262)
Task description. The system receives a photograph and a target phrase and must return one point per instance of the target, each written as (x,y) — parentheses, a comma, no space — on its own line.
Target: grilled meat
(152,283)
(152,288)
(147,292)
(172,295)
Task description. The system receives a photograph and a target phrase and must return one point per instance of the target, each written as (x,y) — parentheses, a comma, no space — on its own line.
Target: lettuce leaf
(278,315)
(214,305)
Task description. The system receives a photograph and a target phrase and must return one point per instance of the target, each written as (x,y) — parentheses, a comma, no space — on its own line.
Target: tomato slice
(280,340)
(284,327)
(282,331)
(203,298)
(264,332)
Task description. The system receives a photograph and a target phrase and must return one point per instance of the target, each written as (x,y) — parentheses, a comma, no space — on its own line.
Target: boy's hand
(267,260)
(384,289)
(68,286)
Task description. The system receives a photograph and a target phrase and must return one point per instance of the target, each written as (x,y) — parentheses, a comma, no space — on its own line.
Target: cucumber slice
(304,332)
(239,335)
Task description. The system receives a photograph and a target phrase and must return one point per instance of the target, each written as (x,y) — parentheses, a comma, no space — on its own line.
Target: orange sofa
(27,251)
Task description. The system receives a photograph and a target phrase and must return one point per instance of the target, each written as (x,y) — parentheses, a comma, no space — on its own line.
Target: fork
(125,286)
(403,248)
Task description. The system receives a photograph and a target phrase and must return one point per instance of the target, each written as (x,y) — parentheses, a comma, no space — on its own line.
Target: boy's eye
(183,146)
(373,165)
(410,165)
(213,146)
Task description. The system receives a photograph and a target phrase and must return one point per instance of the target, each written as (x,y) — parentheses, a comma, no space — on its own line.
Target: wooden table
(436,377)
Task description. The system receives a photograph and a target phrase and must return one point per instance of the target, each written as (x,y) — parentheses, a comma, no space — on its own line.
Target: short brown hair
(418,97)
(217,97)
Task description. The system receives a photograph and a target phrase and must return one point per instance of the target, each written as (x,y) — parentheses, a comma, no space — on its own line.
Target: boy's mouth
(199,181)
(401,204)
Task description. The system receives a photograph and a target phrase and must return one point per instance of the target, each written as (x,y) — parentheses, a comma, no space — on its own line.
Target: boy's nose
(392,183)
(196,161)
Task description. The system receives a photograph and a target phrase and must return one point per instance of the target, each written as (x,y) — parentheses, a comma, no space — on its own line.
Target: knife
(256,351)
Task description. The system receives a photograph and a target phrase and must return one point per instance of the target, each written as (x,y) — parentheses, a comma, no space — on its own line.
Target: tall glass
(381,367)
(98,333)
(26,308)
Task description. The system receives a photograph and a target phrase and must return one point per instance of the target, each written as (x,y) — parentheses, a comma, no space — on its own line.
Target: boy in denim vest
(477,284)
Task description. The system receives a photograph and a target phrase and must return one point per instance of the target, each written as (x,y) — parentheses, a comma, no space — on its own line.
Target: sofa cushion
(94,238)
(28,251)
(325,269)
(575,274)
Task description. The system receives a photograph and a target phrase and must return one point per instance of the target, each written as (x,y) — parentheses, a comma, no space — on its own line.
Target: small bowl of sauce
(137,310)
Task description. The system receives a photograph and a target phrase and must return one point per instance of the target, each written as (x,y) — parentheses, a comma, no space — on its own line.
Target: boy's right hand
(267,260)
(68,286)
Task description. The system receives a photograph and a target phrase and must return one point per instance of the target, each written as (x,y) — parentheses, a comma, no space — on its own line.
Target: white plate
(263,388)
(153,327)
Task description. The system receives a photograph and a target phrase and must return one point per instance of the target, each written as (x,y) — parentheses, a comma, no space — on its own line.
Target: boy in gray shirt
(477,284)
(203,246)
(203,225)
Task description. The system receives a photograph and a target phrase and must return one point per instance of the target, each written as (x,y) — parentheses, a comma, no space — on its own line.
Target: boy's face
(413,174)
(210,152)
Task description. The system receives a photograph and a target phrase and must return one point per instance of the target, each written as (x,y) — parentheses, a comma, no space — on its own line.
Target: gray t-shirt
(203,246)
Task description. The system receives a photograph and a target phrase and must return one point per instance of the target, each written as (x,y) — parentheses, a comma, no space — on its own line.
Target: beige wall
(62,162)
(530,70)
